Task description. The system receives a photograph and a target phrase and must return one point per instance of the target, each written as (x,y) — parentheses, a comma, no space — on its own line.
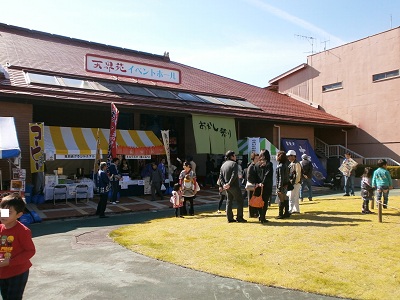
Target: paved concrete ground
(76,260)
(48,211)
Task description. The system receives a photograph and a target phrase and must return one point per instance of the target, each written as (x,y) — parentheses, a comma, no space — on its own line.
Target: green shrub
(394,170)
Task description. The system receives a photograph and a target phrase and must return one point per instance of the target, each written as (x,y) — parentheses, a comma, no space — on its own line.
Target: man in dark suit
(229,179)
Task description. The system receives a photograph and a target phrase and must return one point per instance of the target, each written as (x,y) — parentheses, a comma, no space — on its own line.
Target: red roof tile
(24,49)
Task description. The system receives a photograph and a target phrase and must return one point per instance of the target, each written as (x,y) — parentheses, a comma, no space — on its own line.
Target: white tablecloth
(48,190)
(124,183)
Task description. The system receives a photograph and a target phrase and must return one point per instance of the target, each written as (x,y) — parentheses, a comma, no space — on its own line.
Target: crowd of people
(293,183)
(292,179)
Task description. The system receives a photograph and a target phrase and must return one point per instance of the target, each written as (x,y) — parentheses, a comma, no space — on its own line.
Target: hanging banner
(138,156)
(214,135)
(75,156)
(254,145)
(36,147)
(98,153)
(165,137)
(155,150)
(112,141)
(303,147)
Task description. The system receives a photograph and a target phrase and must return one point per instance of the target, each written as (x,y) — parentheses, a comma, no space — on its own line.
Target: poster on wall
(303,147)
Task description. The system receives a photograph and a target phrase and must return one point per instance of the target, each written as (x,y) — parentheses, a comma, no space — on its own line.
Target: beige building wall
(372,106)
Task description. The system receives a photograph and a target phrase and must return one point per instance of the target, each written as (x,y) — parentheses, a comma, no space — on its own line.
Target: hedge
(394,170)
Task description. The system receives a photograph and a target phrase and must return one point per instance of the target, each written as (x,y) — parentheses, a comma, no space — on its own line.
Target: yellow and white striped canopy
(83,141)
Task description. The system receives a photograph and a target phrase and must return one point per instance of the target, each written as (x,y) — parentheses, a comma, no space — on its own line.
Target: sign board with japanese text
(75,156)
(36,149)
(347,166)
(119,67)
(138,156)
(214,135)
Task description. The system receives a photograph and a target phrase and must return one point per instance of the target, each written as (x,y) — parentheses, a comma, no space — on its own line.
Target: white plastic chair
(81,192)
(60,192)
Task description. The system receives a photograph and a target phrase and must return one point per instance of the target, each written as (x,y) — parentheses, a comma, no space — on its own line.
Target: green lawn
(330,248)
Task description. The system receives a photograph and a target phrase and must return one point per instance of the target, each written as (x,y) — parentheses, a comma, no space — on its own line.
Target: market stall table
(131,187)
(71,187)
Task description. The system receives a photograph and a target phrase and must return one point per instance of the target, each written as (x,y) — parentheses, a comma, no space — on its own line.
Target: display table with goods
(71,185)
(129,187)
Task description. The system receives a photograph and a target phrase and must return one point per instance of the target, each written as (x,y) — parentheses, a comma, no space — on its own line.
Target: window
(246,104)
(43,79)
(188,97)
(141,91)
(162,93)
(77,83)
(136,90)
(386,75)
(109,87)
(211,99)
(230,102)
(331,87)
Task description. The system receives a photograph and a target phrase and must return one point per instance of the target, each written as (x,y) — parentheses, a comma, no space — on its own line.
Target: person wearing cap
(229,179)
(306,176)
(295,179)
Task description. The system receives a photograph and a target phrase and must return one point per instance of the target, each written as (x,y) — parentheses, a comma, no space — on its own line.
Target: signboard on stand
(18,181)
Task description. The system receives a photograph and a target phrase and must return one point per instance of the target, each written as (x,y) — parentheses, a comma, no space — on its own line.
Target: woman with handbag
(282,181)
(265,173)
(252,180)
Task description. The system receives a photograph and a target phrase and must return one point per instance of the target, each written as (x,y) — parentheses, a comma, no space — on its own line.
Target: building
(358,82)
(67,82)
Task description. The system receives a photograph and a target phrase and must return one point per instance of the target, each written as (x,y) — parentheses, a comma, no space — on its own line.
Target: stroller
(337,181)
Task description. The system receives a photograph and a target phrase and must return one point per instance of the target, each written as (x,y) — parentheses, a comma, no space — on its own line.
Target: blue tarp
(9,146)
(303,147)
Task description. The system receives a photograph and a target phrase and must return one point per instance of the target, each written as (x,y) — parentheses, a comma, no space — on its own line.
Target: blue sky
(251,41)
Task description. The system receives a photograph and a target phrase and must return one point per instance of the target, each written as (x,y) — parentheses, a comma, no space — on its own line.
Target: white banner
(76,156)
(254,145)
(138,156)
(165,137)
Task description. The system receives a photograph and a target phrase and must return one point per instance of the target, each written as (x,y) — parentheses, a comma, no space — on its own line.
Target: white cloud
(295,20)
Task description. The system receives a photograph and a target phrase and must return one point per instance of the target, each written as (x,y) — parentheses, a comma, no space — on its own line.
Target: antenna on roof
(310,39)
(324,42)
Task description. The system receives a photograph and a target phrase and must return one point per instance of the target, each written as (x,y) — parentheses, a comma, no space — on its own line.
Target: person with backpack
(306,176)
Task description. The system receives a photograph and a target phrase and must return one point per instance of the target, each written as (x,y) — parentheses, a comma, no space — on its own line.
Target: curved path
(76,260)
